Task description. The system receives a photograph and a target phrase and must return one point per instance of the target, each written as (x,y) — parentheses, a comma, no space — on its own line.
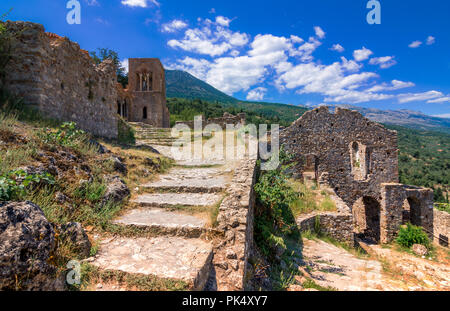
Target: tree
(103,54)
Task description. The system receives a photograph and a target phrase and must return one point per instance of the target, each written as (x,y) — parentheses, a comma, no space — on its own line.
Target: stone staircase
(173,216)
(147,134)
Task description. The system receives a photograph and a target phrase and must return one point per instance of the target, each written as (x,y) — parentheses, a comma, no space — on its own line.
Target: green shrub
(16,184)
(126,134)
(66,135)
(410,235)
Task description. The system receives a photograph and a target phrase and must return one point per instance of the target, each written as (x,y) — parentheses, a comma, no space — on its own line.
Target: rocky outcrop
(74,232)
(118,164)
(27,241)
(116,190)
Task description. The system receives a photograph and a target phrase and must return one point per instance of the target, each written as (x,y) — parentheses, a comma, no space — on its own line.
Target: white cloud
(445,115)
(319,32)
(338,48)
(102,21)
(362,54)
(212,39)
(174,26)
(296,39)
(223,21)
(139,3)
(212,11)
(395,85)
(257,94)
(124,64)
(384,62)
(196,67)
(426,96)
(331,81)
(441,100)
(431,40)
(415,44)
(239,64)
(350,65)
(304,52)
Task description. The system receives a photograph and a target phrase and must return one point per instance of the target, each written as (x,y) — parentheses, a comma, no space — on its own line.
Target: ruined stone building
(358,160)
(145,99)
(55,75)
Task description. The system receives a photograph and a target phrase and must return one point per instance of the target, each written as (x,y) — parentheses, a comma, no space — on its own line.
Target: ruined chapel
(357,160)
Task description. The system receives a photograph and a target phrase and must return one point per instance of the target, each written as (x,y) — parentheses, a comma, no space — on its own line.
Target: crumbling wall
(235,221)
(336,225)
(393,201)
(350,153)
(441,228)
(55,75)
(227,118)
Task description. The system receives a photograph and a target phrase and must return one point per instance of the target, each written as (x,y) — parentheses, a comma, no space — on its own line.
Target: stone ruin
(357,160)
(145,98)
(55,75)
(226,119)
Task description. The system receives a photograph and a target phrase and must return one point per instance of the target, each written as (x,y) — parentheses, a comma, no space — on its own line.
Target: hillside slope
(183,85)
(180,84)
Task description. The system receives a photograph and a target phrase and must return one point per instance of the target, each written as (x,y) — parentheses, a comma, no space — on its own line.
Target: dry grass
(310,200)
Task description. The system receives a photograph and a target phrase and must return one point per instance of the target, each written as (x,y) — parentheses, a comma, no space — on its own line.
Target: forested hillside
(424,159)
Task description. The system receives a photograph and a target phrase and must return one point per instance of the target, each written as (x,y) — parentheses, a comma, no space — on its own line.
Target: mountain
(184,85)
(405,118)
(181,84)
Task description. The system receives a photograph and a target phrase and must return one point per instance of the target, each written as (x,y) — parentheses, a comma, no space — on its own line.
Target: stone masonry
(358,160)
(147,86)
(55,75)
(441,227)
(59,78)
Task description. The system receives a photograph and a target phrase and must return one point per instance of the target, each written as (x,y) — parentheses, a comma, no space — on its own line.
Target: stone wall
(396,198)
(235,220)
(227,118)
(441,228)
(336,225)
(147,84)
(350,153)
(55,75)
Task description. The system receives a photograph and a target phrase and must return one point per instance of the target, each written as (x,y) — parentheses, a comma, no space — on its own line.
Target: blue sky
(294,52)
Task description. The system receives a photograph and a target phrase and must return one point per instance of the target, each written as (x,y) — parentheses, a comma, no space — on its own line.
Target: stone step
(193,180)
(174,258)
(163,222)
(163,200)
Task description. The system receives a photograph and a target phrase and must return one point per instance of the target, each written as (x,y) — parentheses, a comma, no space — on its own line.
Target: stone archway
(366,214)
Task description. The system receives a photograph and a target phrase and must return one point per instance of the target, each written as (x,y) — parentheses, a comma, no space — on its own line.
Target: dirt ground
(385,269)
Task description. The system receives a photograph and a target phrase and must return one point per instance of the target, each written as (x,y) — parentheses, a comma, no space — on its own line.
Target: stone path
(385,270)
(174,208)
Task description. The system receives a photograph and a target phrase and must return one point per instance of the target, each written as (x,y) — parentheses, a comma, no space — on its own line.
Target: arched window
(144,113)
(150,82)
(144,82)
(138,82)
(118,108)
